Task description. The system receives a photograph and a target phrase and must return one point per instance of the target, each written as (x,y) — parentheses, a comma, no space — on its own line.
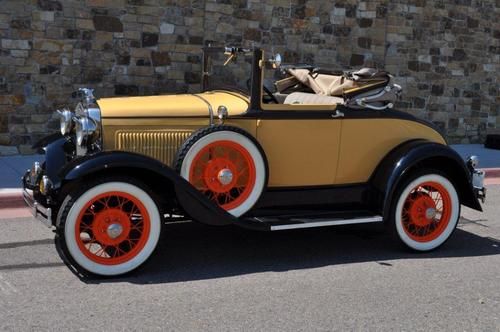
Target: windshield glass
(234,75)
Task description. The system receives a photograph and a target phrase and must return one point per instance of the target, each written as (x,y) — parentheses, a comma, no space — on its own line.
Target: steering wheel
(270,94)
(266,90)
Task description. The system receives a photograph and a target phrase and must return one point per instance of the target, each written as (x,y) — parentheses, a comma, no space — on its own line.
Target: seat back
(303,98)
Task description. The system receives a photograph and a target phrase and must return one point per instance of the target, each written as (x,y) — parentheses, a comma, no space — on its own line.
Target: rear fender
(418,154)
(190,200)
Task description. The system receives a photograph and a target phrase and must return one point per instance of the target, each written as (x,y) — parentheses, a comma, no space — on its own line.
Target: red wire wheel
(112,228)
(225,172)
(426,212)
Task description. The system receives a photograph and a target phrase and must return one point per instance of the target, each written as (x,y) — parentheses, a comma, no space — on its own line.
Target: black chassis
(179,197)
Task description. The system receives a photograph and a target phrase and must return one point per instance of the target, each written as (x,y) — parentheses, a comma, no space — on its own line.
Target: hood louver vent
(161,145)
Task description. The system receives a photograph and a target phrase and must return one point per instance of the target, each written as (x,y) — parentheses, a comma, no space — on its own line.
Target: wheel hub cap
(114,230)
(422,210)
(225,176)
(430,213)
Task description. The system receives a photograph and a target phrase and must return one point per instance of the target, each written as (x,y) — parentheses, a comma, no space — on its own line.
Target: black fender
(191,201)
(47,140)
(57,149)
(416,154)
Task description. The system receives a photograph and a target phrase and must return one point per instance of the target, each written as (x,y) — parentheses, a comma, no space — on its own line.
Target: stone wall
(445,54)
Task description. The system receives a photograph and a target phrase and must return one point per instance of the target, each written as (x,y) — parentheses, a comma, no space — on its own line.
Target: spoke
(121,201)
(136,228)
(105,201)
(88,244)
(100,251)
(427,229)
(89,212)
(227,198)
(135,210)
(438,219)
(115,252)
(84,227)
(227,154)
(242,171)
(121,250)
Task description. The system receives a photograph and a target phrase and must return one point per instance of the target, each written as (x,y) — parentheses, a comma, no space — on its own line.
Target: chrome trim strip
(336,222)
(210,109)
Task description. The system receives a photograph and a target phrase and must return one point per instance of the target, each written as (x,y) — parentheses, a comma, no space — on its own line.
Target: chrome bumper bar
(478,184)
(477,175)
(39,211)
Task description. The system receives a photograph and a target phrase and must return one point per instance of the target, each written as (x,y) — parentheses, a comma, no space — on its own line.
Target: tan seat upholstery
(329,85)
(303,98)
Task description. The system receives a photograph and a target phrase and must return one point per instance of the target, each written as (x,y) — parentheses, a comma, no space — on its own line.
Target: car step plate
(295,223)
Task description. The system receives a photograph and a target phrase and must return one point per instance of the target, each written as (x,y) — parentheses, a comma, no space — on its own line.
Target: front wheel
(227,165)
(109,227)
(426,211)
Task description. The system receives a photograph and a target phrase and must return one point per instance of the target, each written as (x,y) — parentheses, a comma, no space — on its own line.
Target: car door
(302,148)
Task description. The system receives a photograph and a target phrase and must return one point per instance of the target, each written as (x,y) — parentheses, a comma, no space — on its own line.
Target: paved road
(216,279)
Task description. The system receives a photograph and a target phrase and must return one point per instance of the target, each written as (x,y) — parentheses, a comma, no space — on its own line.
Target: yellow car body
(300,152)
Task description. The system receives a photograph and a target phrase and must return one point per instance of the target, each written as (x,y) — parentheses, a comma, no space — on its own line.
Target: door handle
(338,114)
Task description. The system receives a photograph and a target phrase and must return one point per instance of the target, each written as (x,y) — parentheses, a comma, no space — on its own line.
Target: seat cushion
(303,98)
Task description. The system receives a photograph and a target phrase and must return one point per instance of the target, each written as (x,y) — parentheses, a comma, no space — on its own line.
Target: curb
(492,172)
(13,198)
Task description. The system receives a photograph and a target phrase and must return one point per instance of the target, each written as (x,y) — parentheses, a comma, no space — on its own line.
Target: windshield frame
(237,51)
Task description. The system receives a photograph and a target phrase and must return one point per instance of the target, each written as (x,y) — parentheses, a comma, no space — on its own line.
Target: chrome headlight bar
(85,121)
(66,121)
(86,131)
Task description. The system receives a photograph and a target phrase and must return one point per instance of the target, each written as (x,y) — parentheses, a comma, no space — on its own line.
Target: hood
(173,105)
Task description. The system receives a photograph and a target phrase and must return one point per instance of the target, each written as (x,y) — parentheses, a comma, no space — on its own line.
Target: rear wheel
(109,227)
(426,211)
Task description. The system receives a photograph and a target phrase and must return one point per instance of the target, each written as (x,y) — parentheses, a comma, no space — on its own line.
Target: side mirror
(275,61)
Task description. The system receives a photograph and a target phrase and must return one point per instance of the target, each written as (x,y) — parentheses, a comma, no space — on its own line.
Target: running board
(278,224)
(310,223)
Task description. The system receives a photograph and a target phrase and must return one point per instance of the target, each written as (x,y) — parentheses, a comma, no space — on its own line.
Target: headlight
(66,121)
(86,131)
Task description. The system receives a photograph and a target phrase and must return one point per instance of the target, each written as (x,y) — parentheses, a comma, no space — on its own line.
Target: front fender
(416,154)
(58,150)
(192,202)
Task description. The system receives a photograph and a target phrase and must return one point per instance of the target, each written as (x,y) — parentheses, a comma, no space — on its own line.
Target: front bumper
(478,184)
(39,211)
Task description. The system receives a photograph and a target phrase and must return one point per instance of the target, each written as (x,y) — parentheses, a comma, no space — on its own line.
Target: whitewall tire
(426,212)
(110,228)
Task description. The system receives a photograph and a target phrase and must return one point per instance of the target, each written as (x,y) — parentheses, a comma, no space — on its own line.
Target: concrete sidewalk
(13,167)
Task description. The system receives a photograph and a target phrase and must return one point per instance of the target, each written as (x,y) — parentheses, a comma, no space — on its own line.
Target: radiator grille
(161,145)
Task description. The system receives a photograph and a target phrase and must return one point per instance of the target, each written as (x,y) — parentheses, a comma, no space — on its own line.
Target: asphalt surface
(218,279)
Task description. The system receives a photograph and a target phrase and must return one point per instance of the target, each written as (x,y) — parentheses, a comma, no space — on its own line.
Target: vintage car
(307,147)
